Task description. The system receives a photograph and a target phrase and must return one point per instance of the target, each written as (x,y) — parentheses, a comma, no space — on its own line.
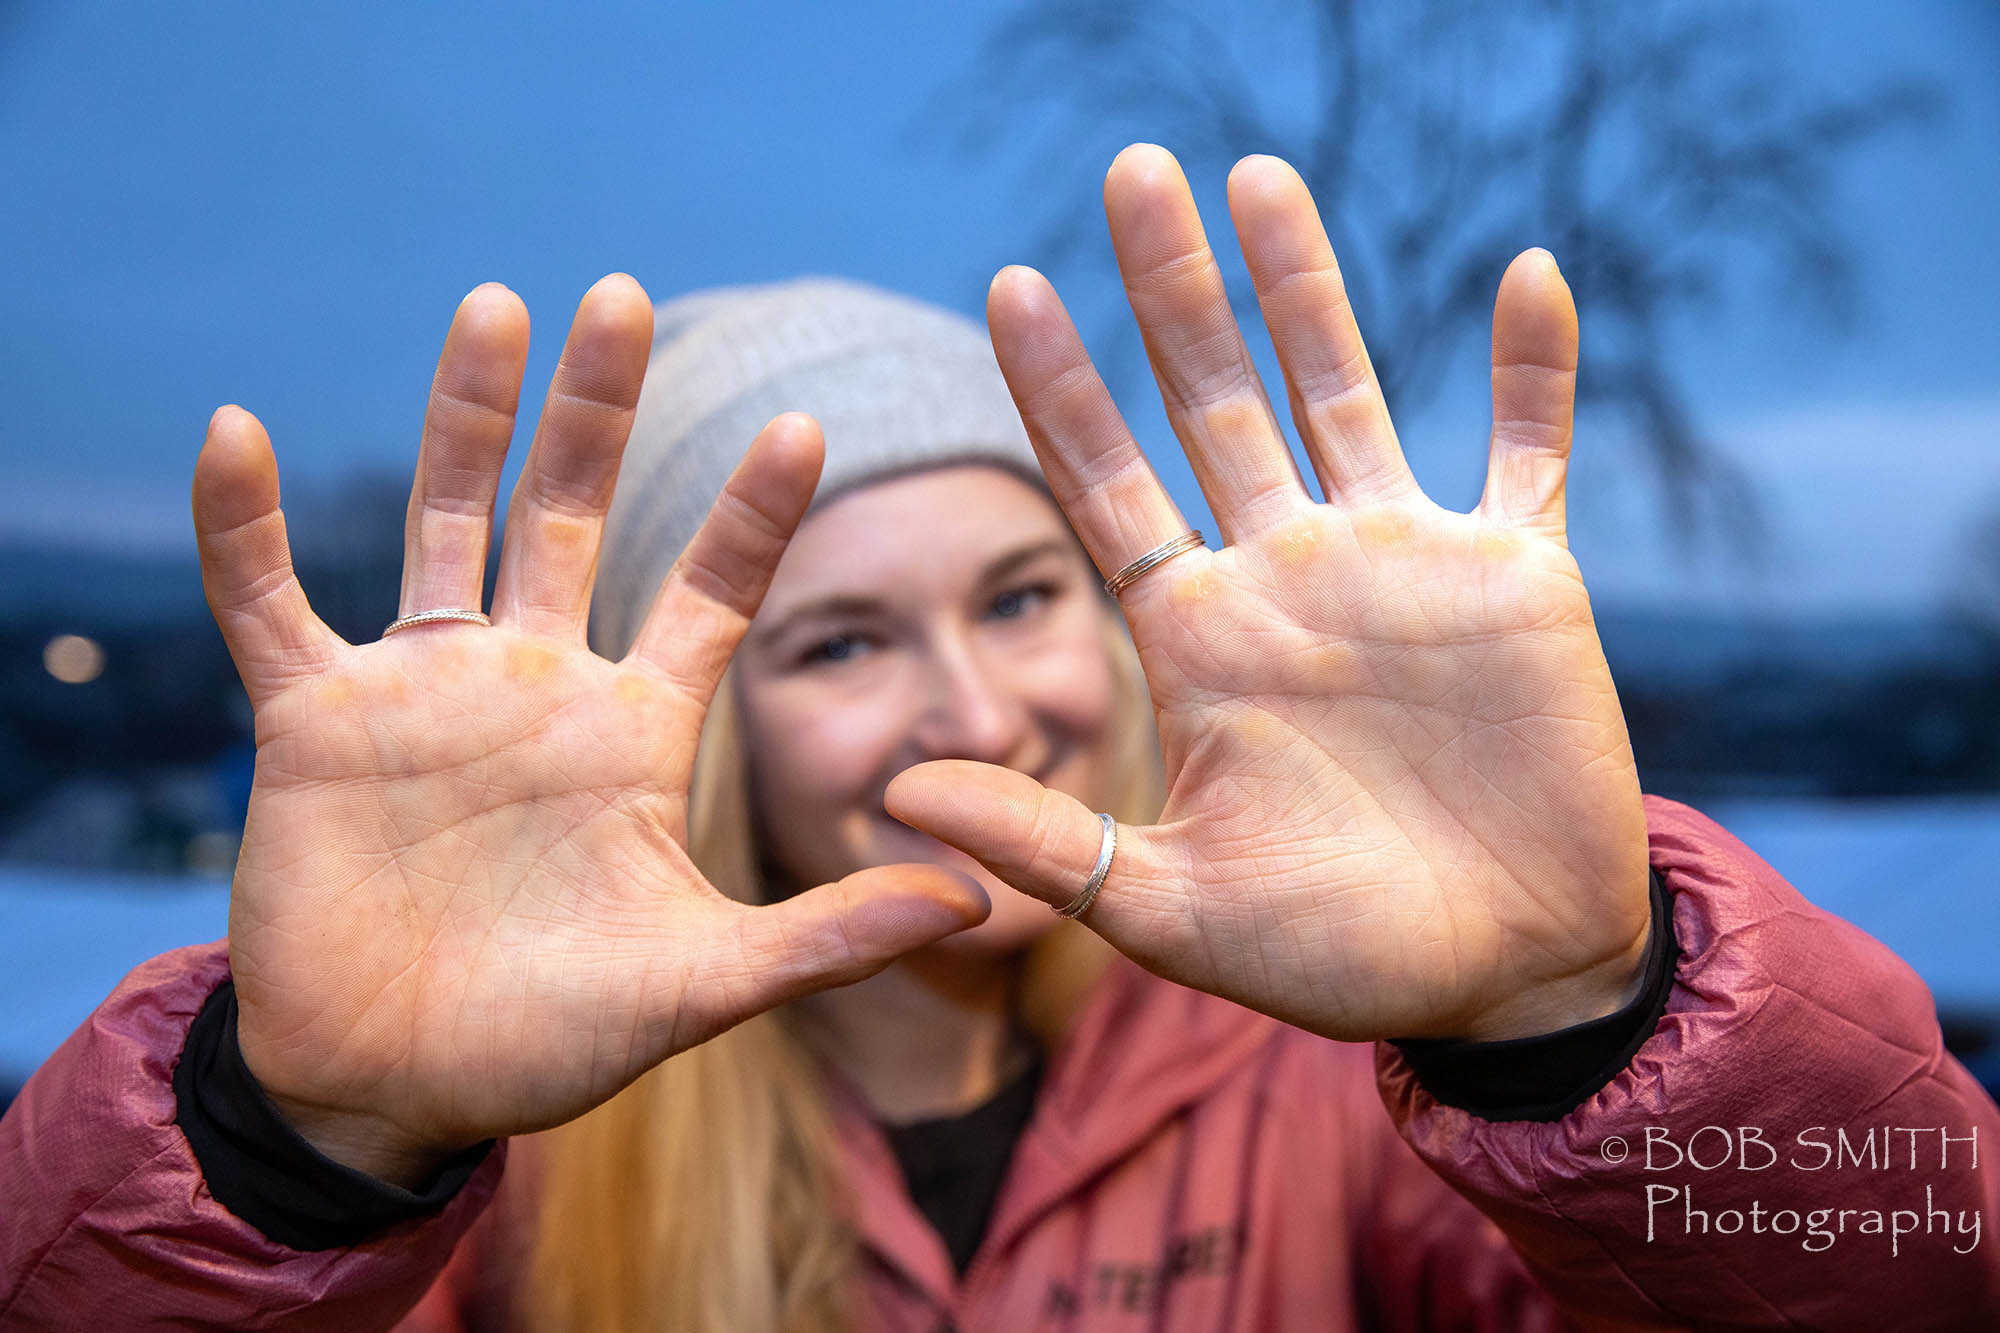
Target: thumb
(845,931)
(1045,843)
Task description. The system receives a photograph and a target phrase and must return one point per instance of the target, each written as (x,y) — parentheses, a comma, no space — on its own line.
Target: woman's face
(945,614)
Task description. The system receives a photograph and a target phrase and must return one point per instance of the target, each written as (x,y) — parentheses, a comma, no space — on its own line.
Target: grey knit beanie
(896,384)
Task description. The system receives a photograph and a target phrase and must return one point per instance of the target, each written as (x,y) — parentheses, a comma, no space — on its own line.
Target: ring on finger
(1097,872)
(1152,559)
(435,617)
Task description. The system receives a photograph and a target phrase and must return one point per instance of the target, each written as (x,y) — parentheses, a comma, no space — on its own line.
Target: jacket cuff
(1786,1028)
(1544,1078)
(260,1168)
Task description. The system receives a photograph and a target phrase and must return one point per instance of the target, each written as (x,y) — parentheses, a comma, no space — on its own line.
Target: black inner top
(954,1165)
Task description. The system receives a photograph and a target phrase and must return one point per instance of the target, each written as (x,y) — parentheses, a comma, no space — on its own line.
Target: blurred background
(1780,221)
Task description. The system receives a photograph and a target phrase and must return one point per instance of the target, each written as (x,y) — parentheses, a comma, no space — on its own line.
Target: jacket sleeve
(1426,1260)
(1792,1147)
(109,1224)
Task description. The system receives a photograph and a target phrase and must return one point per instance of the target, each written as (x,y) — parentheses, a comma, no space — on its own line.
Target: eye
(1016,602)
(837,648)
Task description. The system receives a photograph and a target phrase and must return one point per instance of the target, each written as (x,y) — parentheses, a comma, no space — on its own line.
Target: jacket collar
(1140,1050)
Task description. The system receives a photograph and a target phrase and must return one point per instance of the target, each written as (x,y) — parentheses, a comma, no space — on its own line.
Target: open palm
(463,907)
(1401,797)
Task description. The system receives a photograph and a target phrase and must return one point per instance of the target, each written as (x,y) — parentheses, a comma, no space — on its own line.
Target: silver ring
(1159,555)
(434,618)
(1097,872)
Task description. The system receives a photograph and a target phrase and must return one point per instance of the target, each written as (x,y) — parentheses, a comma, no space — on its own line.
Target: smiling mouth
(924,849)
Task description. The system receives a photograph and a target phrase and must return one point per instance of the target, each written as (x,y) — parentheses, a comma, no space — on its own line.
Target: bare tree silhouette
(1657,150)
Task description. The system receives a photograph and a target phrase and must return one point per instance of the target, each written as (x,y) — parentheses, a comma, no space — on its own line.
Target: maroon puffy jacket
(1792,1148)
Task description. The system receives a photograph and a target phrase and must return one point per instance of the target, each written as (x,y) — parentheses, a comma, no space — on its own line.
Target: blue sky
(281,205)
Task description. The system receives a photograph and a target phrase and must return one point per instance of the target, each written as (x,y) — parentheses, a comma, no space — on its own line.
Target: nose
(971,709)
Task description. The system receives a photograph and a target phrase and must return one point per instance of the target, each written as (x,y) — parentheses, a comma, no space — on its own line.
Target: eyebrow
(845,604)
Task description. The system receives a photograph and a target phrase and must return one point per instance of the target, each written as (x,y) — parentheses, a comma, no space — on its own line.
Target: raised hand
(463,907)
(1401,797)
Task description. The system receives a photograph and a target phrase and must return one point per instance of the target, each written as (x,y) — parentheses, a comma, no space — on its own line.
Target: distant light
(73,659)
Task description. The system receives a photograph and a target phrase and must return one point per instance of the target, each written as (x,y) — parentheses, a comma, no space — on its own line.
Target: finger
(1046,843)
(1336,400)
(555,521)
(1215,402)
(842,932)
(246,563)
(1534,396)
(1096,471)
(716,584)
(468,425)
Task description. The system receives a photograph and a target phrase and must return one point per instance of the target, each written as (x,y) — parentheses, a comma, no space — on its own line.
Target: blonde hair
(707,1197)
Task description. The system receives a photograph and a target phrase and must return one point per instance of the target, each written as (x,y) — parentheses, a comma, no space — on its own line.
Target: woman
(479,889)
